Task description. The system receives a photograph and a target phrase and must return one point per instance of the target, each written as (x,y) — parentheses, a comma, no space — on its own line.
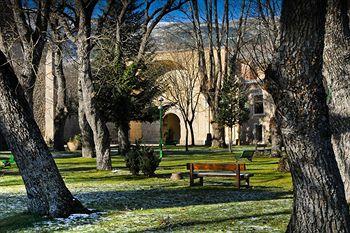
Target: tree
(76,17)
(130,60)
(295,83)
(61,108)
(259,48)
(336,72)
(46,191)
(182,88)
(31,21)
(213,65)
(233,108)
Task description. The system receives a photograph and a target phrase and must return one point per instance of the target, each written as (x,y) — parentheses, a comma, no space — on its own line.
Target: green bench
(247,154)
(6,163)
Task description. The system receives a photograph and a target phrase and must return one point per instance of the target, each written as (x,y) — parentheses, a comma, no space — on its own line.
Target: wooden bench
(201,170)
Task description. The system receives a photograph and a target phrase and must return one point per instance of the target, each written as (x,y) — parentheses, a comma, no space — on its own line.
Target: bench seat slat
(222,174)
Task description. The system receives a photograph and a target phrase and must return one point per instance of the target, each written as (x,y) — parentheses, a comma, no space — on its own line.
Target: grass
(124,203)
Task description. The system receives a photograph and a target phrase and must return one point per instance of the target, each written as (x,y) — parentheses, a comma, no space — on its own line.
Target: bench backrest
(216,166)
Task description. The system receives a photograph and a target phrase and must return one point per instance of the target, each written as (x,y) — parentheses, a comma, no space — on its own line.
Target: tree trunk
(193,143)
(123,137)
(276,138)
(295,83)
(218,131)
(61,111)
(87,139)
(28,73)
(337,71)
(238,134)
(186,137)
(230,140)
(93,116)
(47,193)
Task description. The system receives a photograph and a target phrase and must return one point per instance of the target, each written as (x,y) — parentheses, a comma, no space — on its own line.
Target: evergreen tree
(233,109)
(124,95)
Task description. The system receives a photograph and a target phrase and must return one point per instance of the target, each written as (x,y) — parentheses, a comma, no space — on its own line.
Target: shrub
(142,158)
(149,161)
(132,160)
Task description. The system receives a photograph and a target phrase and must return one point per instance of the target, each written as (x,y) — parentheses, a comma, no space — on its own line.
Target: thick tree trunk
(123,137)
(193,143)
(276,138)
(93,117)
(61,111)
(28,73)
(87,138)
(295,83)
(47,193)
(218,132)
(337,72)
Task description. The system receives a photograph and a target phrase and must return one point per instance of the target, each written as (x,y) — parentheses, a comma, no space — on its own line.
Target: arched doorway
(171,129)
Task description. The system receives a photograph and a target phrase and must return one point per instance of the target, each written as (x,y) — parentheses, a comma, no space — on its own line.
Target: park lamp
(161,99)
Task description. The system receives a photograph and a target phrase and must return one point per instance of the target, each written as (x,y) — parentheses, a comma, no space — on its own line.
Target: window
(258,104)
(258,133)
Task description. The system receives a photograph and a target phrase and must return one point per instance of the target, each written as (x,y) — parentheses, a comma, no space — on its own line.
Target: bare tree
(31,21)
(295,83)
(61,105)
(213,65)
(336,72)
(76,19)
(47,193)
(182,88)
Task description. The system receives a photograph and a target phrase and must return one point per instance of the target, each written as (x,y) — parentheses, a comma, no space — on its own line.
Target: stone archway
(171,129)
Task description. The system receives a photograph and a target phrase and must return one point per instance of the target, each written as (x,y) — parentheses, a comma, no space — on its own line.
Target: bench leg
(191,181)
(201,181)
(239,183)
(247,181)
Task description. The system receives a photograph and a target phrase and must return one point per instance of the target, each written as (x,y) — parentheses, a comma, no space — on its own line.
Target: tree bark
(337,71)
(193,143)
(123,137)
(87,138)
(93,116)
(46,191)
(61,111)
(218,131)
(295,83)
(186,137)
(276,138)
(32,35)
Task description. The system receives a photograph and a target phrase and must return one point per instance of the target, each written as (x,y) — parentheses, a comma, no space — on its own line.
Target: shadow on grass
(19,221)
(170,197)
(169,226)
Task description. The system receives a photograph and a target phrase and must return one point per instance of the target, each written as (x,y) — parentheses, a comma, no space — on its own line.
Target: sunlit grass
(137,204)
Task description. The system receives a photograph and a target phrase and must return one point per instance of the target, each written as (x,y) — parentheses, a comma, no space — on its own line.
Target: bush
(132,160)
(142,158)
(149,161)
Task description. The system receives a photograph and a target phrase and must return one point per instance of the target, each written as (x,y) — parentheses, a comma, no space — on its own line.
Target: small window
(258,133)
(258,104)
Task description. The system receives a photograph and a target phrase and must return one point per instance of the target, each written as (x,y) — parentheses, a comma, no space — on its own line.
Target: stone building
(256,129)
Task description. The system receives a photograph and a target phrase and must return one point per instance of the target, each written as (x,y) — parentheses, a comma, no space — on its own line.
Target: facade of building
(256,129)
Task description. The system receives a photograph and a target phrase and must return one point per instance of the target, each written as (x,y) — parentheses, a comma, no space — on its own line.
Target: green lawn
(124,203)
